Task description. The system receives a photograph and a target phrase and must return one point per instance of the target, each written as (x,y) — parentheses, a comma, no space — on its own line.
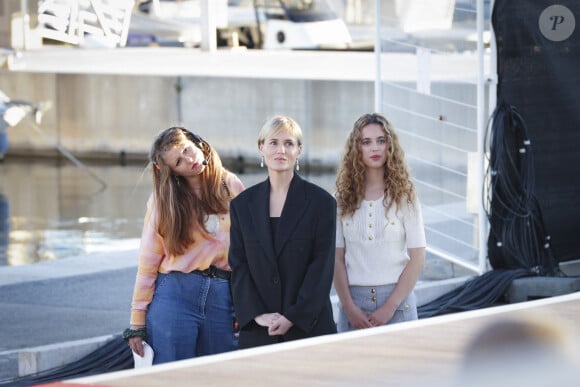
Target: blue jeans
(190,315)
(370,298)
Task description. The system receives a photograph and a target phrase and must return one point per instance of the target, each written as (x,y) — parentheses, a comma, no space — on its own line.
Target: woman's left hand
(381,316)
(267,319)
(280,326)
(136,345)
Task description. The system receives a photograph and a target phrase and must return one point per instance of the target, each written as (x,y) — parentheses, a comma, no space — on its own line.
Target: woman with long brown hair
(182,303)
(380,239)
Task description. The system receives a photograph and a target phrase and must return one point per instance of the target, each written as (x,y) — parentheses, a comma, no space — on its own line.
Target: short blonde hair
(279,124)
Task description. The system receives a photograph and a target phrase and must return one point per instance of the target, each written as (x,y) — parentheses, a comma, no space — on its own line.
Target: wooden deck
(415,353)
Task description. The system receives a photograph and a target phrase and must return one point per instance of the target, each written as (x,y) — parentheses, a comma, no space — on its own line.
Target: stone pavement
(53,313)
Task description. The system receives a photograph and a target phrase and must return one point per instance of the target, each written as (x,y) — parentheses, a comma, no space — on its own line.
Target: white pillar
(25,23)
(481,127)
(378,49)
(208,25)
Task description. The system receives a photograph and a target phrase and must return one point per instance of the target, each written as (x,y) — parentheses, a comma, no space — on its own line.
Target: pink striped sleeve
(151,253)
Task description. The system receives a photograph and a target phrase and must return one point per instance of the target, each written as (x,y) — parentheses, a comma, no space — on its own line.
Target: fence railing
(439,109)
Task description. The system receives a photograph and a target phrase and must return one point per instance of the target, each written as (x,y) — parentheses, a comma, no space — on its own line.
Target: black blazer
(293,279)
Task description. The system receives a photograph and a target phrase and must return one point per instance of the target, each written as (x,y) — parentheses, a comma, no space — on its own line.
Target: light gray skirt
(370,298)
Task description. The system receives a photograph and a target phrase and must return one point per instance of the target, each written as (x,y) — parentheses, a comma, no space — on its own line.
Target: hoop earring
(297,165)
(177,180)
(262,162)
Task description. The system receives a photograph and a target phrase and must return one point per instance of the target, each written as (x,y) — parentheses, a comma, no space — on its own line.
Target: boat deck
(415,353)
(249,64)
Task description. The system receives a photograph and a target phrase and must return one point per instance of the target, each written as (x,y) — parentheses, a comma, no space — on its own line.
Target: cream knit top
(376,245)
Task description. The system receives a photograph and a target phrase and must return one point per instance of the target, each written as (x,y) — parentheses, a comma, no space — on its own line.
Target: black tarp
(538,58)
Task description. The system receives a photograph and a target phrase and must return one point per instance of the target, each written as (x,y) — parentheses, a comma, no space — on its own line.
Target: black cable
(518,237)
(115,355)
(518,244)
(479,292)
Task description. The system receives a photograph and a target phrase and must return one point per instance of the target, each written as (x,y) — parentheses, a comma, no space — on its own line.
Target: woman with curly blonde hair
(380,237)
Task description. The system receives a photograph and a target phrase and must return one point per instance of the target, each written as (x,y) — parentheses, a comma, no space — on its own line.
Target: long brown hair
(350,179)
(179,210)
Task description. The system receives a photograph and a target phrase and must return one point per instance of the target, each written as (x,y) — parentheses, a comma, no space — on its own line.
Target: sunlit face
(280,151)
(185,159)
(373,146)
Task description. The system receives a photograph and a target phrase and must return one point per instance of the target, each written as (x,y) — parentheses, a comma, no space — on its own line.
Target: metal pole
(493,76)
(378,75)
(482,218)
(70,156)
(208,26)
(25,23)
(178,90)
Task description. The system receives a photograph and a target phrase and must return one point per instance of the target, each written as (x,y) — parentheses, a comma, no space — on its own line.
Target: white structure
(442,135)
(78,22)
(268,24)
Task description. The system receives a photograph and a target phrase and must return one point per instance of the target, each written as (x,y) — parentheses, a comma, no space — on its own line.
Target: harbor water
(52,209)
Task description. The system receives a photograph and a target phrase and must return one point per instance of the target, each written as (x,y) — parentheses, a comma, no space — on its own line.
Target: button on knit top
(376,242)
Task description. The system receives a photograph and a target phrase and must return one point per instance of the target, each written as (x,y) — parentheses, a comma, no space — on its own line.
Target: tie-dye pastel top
(208,249)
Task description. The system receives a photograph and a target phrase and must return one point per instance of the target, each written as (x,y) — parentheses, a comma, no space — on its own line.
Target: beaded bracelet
(128,333)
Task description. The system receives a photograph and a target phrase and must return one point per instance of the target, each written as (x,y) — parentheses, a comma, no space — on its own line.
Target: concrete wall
(103,115)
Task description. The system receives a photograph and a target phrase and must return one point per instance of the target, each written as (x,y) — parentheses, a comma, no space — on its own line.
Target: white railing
(441,114)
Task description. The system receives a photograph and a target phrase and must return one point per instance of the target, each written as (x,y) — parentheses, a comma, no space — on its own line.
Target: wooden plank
(398,355)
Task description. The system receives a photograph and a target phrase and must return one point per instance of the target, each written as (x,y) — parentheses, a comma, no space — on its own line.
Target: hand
(357,318)
(381,316)
(267,319)
(136,345)
(280,326)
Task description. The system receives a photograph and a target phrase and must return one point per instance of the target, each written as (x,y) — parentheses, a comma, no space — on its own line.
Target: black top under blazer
(291,276)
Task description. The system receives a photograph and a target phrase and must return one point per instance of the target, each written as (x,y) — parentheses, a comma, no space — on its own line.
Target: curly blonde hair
(350,179)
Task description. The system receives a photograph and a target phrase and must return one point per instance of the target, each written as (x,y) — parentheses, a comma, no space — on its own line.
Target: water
(52,209)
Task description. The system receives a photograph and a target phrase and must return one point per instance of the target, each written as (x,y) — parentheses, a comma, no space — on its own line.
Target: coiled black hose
(115,355)
(518,243)
(479,292)
(518,237)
